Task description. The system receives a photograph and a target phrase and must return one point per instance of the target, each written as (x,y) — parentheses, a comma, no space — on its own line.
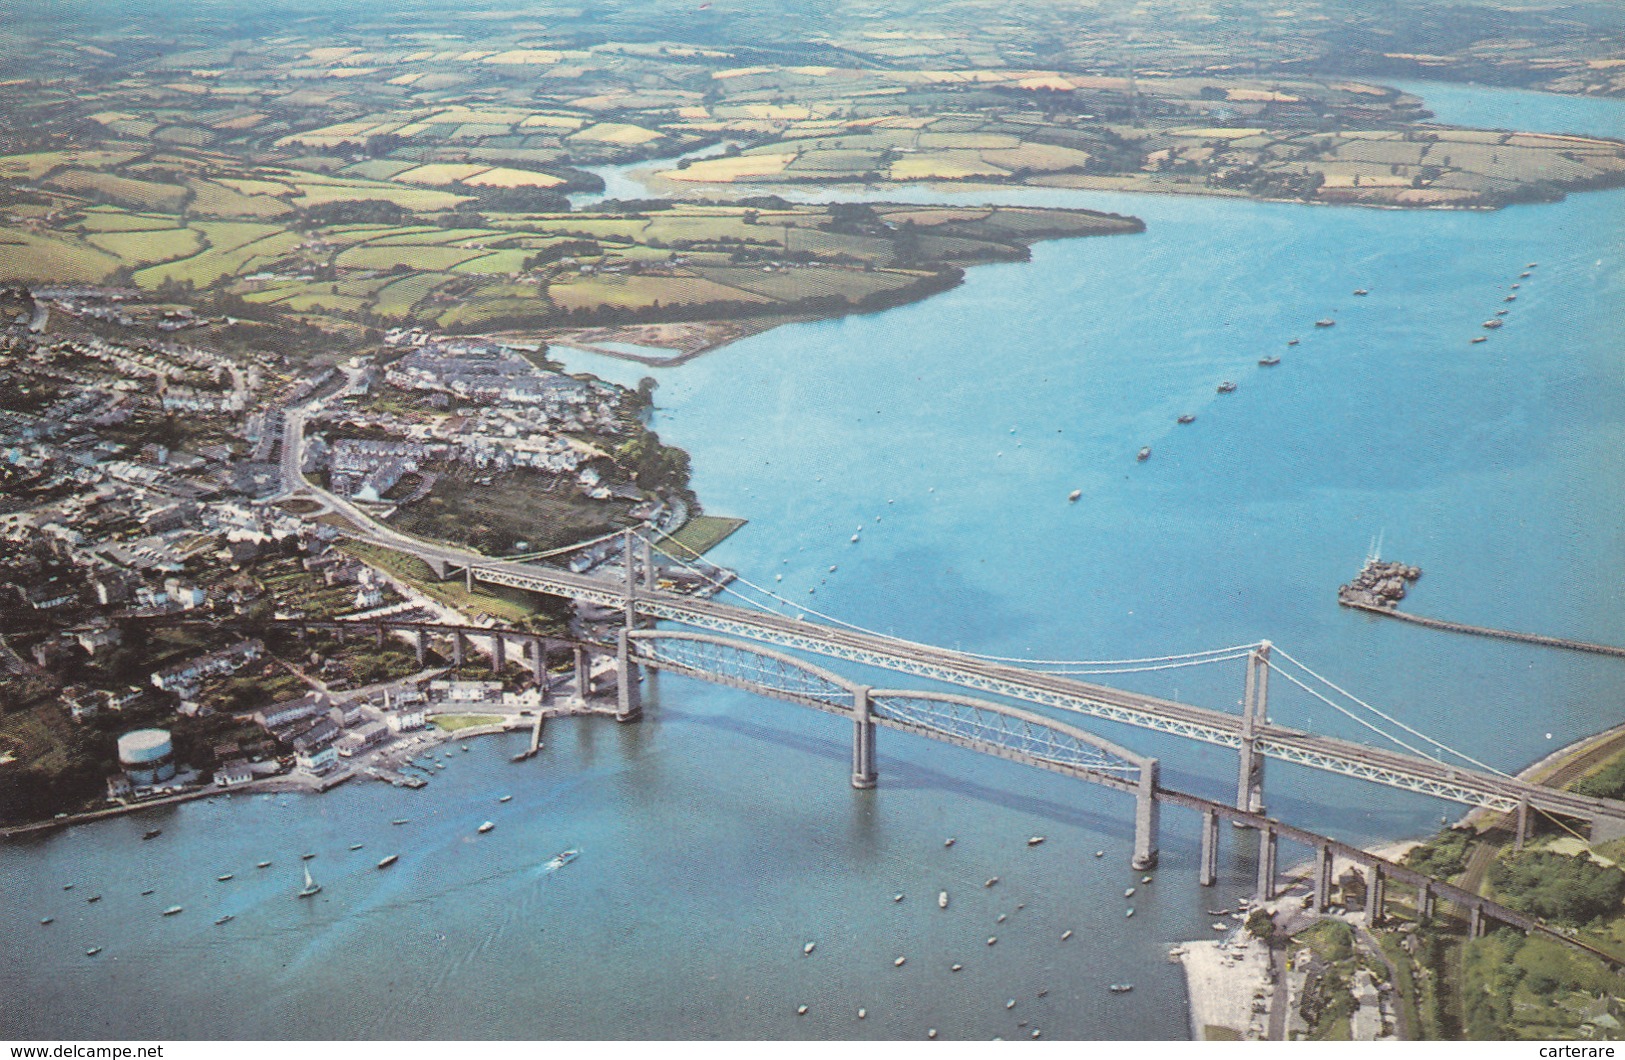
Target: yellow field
(942,166)
(727,170)
(616,133)
(504,177)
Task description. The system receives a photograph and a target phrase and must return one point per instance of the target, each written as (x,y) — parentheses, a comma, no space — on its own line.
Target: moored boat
(262,864)
(1035,840)
(172,910)
(942,899)
(1227,387)
(1187,418)
(152,833)
(1073,497)
(311,887)
(1144,454)
(93,951)
(228,918)
(224,876)
(1492,323)
(1481,338)
(486,827)
(1269,362)
(1326,323)
(387,862)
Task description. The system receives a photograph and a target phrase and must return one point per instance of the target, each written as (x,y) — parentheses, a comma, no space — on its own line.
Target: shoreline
(1225,989)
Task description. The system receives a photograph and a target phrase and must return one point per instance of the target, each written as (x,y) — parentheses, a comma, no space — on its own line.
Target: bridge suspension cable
(1424,737)
(1077,667)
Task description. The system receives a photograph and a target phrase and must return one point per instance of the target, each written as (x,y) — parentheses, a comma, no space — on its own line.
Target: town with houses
(156,541)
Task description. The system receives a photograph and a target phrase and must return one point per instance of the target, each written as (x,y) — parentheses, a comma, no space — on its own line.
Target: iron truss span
(1407,772)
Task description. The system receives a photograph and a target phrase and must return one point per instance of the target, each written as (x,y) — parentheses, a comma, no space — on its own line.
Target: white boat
(1129,893)
(1129,913)
(311,887)
(172,910)
(262,864)
(355,846)
(47,920)
(806,951)
(387,862)
(228,918)
(225,876)
(1066,934)
(506,798)
(899,962)
(1035,840)
(93,951)
(991,881)
(950,841)
(486,827)
(1219,925)
(942,899)
(1074,495)
(897,897)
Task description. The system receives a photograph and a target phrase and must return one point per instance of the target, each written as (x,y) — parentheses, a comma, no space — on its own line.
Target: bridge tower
(629,697)
(1254,713)
(864,773)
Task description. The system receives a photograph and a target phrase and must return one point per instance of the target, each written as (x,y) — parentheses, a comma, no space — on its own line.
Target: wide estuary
(720,836)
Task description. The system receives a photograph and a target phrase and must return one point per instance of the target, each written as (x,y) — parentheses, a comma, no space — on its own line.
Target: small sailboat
(387,862)
(311,887)
(942,899)
(486,827)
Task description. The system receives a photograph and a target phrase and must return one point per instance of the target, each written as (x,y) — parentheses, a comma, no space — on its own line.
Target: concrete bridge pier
(1522,832)
(378,636)
(1323,878)
(1425,900)
(1147,817)
(421,642)
(1375,893)
(459,648)
(1209,873)
(864,773)
(499,653)
(538,664)
(629,697)
(583,669)
(1475,920)
(1267,852)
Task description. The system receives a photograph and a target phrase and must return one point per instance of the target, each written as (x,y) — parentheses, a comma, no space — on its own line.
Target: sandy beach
(1227,980)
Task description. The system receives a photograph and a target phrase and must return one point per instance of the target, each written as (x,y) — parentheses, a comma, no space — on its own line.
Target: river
(720,836)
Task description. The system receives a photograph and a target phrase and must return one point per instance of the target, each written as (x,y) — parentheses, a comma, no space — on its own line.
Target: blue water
(719,836)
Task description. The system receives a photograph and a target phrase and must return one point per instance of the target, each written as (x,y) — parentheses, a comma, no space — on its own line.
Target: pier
(1566,643)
